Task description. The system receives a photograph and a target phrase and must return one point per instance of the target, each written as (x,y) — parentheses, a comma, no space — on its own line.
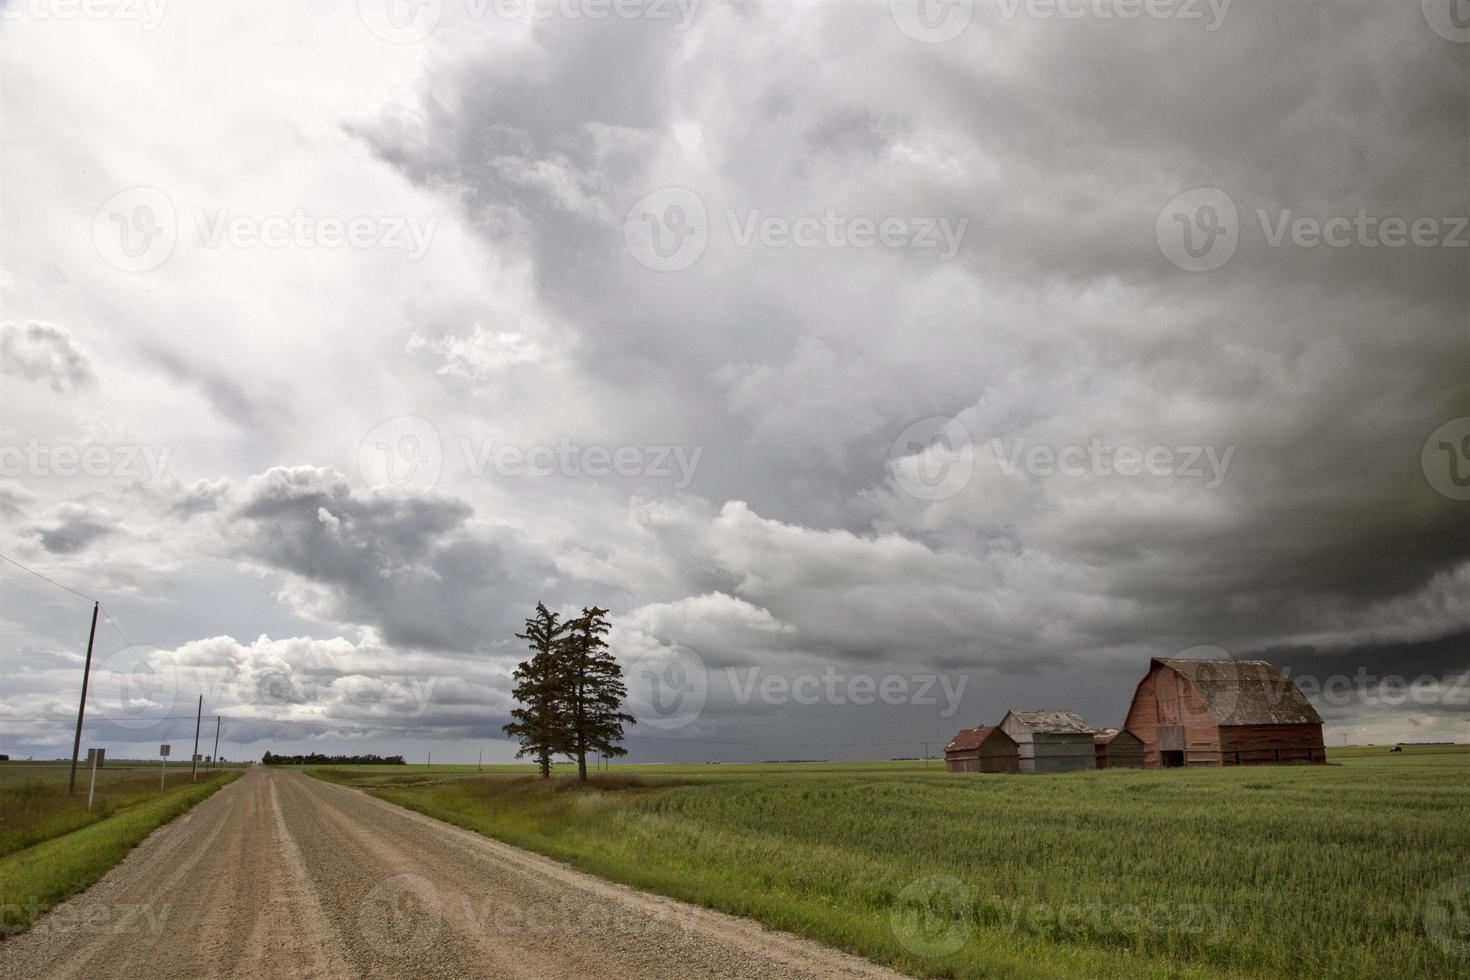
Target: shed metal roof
(969,738)
(1051,722)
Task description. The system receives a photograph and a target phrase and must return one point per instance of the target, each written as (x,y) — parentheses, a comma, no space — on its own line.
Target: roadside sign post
(163,768)
(92,790)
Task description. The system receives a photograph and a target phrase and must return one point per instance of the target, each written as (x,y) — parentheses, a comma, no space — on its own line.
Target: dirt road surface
(281,875)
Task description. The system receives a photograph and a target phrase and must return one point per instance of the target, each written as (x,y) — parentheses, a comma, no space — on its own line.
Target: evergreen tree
(593,689)
(541,722)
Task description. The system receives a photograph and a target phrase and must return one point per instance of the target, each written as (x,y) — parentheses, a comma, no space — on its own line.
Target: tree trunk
(581,759)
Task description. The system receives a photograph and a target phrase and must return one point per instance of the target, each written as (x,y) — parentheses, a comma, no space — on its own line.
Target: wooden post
(214,759)
(194,772)
(76,745)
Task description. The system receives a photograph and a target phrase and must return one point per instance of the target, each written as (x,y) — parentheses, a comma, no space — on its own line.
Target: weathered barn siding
(983,749)
(1118,748)
(1223,712)
(1050,741)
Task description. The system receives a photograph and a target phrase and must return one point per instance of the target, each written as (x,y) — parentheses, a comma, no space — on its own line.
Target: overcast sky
(881,366)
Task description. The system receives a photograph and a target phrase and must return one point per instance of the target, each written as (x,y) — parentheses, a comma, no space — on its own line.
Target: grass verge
(36,879)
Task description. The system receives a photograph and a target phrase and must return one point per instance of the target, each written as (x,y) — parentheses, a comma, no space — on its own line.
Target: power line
(66,588)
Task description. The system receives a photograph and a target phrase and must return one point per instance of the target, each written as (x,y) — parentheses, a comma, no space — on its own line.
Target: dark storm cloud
(417,569)
(1060,321)
(71,528)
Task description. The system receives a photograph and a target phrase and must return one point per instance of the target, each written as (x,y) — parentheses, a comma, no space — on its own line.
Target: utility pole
(926,755)
(92,790)
(76,745)
(194,772)
(214,759)
(479,759)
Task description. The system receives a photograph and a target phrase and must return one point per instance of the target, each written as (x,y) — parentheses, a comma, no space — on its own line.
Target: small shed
(983,749)
(1050,740)
(1118,748)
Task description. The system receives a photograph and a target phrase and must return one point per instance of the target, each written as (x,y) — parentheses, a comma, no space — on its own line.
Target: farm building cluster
(1184,713)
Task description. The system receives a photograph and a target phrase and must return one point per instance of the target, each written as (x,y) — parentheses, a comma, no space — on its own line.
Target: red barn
(983,749)
(1223,713)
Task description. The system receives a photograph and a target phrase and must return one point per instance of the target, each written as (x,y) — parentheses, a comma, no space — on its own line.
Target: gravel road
(281,875)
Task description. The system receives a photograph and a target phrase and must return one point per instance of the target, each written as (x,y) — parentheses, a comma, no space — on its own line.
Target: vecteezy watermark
(570,459)
(1447,917)
(1095,919)
(407,21)
(1381,690)
(408,695)
(135,688)
(1450,19)
(1211,13)
(1200,230)
(933,916)
(932,21)
(835,230)
(669,230)
(90,918)
(1097,458)
(134,462)
(1445,459)
(401,917)
(146,13)
(300,229)
(838,688)
(932,459)
(667,687)
(401,457)
(138,229)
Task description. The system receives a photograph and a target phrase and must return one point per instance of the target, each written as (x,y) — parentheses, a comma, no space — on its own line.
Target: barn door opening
(1171,758)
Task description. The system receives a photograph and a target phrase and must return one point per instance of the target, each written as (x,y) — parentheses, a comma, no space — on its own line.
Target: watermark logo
(1447,917)
(668,687)
(933,459)
(933,916)
(566,458)
(135,230)
(1445,459)
(1450,19)
(401,457)
(401,21)
(1218,680)
(411,234)
(401,917)
(668,230)
(135,688)
(1199,230)
(932,21)
(836,688)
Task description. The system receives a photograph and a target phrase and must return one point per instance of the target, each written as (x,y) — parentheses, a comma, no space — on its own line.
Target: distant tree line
(570,691)
(317,759)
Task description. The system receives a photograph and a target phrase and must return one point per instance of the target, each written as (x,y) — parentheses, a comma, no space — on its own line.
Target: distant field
(1251,872)
(52,846)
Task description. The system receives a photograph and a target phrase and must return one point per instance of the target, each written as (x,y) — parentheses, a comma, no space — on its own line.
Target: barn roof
(1051,722)
(1246,692)
(969,738)
(1106,735)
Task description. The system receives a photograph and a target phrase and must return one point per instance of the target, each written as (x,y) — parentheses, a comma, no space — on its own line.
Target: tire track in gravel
(281,875)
